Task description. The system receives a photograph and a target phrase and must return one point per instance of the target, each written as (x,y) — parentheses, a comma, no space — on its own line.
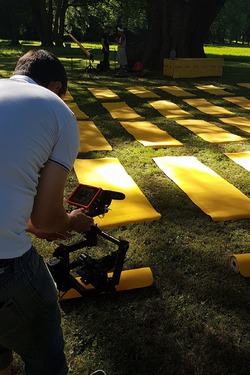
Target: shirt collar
(22,78)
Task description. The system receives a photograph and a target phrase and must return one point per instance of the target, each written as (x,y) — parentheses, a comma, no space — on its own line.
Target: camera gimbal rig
(94,274)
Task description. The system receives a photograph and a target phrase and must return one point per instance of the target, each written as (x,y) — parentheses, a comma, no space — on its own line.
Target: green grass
(236,50)
(195,319)
(229,53)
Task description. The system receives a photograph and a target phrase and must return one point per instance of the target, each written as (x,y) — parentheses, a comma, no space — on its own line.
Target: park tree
(232,24)
(11,19)
(181,25)
(49,18)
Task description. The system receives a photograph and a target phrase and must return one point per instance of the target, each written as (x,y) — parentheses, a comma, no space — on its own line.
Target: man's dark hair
(43,67)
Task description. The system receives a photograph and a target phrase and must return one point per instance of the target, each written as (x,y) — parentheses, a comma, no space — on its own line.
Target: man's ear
(55,86)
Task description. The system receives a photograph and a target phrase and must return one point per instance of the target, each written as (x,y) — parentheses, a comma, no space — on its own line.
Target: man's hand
(79,221)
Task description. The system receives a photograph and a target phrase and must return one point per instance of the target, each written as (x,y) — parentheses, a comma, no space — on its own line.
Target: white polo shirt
(35,126)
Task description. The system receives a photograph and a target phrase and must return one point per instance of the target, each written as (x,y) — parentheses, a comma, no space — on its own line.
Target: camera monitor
(84,195)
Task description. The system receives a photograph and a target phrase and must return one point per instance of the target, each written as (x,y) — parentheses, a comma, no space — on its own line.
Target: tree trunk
(61,9)
(181,25)
(13,27)
(42,22)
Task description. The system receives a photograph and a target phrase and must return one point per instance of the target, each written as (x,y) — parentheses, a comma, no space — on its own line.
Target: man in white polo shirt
(38,145)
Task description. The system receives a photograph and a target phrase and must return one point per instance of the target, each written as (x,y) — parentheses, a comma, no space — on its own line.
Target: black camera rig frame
(91,271)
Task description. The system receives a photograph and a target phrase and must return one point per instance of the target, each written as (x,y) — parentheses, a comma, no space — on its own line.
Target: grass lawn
(195,319)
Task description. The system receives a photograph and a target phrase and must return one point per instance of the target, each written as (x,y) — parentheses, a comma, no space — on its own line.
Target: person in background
(38,145)
(121,51)
(105,47)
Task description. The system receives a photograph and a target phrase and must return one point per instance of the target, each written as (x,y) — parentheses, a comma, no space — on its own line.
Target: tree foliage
(11,22)
(233,23)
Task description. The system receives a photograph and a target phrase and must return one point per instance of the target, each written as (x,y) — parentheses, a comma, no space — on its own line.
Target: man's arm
(48,214)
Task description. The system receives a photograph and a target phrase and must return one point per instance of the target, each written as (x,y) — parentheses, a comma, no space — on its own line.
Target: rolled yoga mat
(176,91)
(241,123)
(241,158)
(149,135)
(211,89)
(109,174)
(91,139)
(204,106)
(210,132)
(121,111)
(80,115)
(103,93)
(240,263)
(209,191)
(141,92)
(129,279)
(169,109)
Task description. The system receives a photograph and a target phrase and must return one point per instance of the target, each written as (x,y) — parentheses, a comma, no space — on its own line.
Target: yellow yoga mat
(176,91)
(103,93)
(109,174)
(242,123)
(68,97)
(80,115)
(149,135)
(204,106)
(209,191)
(142,92)
(169,109)
(244,84)
(211,89)
(240,263)
(241,158)
(210,132)
(241,101)
(121,111)
(91,139)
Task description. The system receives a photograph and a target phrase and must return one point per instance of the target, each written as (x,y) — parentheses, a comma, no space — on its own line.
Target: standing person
(105,47)
(38,145)
(121,51)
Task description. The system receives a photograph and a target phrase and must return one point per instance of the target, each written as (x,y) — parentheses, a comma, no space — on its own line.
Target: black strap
(6,262)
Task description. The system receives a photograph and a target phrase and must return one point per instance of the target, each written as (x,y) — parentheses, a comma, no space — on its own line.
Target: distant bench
(191,68)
